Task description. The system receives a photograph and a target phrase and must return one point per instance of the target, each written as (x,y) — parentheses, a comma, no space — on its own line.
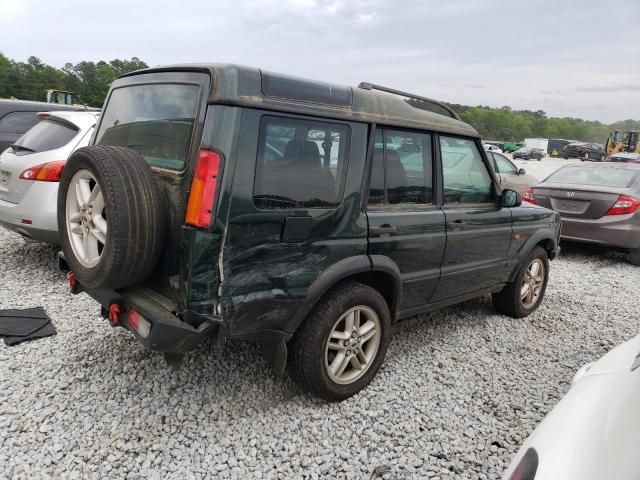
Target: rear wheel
(585,157)
(339,348)
(109,217)
(524,295)
(633,256)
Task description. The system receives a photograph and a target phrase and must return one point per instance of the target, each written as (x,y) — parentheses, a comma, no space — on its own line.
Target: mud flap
(275,353)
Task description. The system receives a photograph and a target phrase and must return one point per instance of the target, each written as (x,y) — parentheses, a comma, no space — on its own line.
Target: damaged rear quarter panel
(265,279)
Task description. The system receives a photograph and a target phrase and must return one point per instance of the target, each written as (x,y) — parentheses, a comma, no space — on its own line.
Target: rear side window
(465,175)
(47,135)
(18,122)
(301,164)
(597,177)
(154,120)
(402,168)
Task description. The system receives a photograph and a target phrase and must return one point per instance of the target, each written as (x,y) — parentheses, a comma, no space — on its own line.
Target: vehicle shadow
(577,251)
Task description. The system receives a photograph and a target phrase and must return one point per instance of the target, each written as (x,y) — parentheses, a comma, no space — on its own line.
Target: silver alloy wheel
(86,220)
(532,283)
(353,344)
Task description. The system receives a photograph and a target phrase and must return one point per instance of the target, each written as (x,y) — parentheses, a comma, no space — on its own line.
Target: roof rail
(373,86)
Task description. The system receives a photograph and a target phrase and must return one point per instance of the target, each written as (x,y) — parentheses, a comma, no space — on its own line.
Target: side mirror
(522,171)
(510,198)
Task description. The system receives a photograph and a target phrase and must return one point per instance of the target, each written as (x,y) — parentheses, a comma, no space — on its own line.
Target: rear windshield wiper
(23,148)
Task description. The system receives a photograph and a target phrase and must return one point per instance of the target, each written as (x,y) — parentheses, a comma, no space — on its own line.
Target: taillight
(527,196)
(45,172)
(138,323)
(203,188)
(624,205)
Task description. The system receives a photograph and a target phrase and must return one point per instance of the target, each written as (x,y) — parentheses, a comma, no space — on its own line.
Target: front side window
(465,175)
(18,122)
(503,165)
(300,164)
(47,135)
(154,120)
(402,168)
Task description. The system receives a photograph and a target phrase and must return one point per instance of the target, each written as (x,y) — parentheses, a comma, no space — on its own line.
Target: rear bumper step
(156,327)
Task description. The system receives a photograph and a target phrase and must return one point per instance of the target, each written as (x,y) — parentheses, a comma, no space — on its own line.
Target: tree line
(90,81)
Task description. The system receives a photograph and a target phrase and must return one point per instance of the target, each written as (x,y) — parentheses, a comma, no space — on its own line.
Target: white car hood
(594,432)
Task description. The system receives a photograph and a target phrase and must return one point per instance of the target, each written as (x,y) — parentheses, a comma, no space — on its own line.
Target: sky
(569,58)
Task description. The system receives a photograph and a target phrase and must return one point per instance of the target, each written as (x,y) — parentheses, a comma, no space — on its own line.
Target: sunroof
(282,86)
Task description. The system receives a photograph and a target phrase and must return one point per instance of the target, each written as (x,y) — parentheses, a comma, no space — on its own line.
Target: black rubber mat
(21,325)
(46,331)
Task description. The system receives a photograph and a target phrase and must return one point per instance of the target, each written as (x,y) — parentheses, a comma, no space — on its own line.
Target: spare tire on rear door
(109,217)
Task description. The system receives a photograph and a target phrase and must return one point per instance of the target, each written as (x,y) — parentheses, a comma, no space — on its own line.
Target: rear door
(405,222)
(508,173)
(295,210)
(478,230)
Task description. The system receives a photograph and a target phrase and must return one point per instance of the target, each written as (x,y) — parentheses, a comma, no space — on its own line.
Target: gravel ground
(459,391)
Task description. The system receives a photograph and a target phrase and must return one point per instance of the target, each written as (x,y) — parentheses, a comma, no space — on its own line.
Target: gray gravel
(459,391)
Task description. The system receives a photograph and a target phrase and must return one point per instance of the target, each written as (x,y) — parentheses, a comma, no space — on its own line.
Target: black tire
(307,348)
(633,256)
(134,218)
(508,301)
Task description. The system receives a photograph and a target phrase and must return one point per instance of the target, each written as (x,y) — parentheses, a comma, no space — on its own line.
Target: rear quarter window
(301,164)
(155,120)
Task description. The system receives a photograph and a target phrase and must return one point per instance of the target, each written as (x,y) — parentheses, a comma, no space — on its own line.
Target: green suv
(227,202)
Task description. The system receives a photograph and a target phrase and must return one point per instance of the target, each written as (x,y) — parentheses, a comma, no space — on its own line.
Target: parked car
(30,172)
(593,432)
(18,116)
(528,153)
(584,151)
(509,175)
(598,204)
(624,157)
(253,208)
(492,148)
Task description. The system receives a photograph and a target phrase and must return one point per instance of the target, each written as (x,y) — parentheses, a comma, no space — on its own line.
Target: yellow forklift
(622,141)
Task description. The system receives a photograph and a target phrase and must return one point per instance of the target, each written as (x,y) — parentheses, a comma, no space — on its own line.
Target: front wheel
(524,295)
(339,348)
(585,157)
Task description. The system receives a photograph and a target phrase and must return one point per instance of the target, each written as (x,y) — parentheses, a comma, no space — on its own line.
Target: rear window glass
(597,177)
(154,120)
(301,164)
(18,122)
(47,135)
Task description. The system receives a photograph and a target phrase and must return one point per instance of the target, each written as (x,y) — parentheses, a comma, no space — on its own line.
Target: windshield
(154,120)
(44,136)
(596,177)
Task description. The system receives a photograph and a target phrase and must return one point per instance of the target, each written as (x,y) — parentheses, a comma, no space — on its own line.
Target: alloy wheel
(532,283)
(353,344)
(86,218)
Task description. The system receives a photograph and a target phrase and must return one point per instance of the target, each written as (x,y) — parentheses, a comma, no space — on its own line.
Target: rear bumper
(168,333)
(39,207)
(622,231)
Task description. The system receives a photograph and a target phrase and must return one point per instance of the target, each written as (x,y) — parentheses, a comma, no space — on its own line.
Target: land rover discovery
(226,202)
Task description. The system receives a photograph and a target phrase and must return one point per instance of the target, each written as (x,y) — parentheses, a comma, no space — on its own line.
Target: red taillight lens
(624,205)
(45,172)
(527,196)
(203,188)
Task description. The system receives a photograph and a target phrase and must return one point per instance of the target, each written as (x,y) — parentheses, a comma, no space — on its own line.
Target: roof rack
(373,86)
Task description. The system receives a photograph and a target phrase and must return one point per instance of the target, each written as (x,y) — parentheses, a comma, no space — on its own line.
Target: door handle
(456,225)
(385,229)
